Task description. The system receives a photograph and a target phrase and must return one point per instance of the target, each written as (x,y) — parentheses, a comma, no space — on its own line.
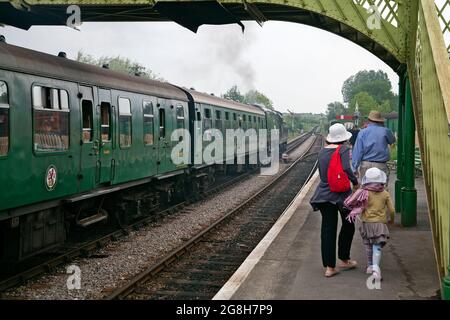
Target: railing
(430,69)
(443,10)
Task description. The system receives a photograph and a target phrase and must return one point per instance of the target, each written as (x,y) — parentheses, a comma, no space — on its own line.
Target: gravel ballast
(117,262)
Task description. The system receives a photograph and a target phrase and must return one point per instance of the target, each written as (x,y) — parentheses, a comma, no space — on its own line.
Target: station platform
(287,262)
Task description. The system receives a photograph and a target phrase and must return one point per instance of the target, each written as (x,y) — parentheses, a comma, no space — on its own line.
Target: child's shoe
(376,272)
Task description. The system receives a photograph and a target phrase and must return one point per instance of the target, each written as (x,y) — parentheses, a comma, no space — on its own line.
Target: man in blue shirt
(372,146)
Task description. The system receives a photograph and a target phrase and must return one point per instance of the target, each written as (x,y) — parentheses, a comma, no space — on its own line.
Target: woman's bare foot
(331,272)
(348,264)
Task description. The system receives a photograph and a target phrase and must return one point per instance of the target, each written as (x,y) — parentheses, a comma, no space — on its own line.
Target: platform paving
(291,266)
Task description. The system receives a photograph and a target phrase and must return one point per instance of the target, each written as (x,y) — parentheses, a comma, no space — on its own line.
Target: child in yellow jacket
(373,229)
(370,204)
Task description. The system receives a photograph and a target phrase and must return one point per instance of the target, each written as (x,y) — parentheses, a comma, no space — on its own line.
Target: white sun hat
(374,175)
(338,133)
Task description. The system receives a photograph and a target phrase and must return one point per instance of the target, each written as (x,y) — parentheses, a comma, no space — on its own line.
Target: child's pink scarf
(357,201)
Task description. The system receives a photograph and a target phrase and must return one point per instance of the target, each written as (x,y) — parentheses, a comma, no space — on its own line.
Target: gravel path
(118,261)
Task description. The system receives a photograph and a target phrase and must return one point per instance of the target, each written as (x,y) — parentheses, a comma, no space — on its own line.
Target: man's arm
(390,136)
(357,152)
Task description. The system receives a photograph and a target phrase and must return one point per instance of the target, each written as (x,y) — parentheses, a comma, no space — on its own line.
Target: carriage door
(105,161)
(87,175)
(163,143)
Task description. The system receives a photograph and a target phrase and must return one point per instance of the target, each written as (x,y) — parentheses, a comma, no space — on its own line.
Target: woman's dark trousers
(328,234)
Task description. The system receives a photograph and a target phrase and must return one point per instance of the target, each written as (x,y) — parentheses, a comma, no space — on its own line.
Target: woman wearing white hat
(330,203)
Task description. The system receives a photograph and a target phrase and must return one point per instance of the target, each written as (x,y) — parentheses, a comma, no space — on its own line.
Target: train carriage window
(180,117)
(64,99)
(4,119)
(105,121)
(199,120)
(148,122)
(162,123)
(218,124)
(207,122)
(227,120)
(88,122)
(124,122)
(51,119)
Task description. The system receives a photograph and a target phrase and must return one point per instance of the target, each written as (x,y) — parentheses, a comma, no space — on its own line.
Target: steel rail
(174,255)
(84,249)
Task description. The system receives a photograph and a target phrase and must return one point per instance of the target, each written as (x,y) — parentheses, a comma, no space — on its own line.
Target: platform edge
(235,281)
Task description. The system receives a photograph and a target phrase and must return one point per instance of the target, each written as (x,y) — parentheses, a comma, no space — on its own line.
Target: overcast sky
(298,67)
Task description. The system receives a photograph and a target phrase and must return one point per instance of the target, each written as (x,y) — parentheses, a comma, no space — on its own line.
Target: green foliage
(254,96)
(334,109)
(119,64)
(375,83)
(251,97)
(370,89)
(366,103)
(294,123)
(298,121)
(393,151)
(234,94)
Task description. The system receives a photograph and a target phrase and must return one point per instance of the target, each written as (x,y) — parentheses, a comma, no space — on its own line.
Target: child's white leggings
(373,253)
(376,254)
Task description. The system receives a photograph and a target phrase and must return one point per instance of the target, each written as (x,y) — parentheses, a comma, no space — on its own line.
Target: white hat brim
(348,135)
(381,179)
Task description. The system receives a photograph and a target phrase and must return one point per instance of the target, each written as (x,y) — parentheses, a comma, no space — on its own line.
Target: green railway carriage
(211,112)
(274,120)
(79,143)
(70,132)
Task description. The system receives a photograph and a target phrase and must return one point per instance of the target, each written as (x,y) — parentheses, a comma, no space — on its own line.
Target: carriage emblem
(51,178)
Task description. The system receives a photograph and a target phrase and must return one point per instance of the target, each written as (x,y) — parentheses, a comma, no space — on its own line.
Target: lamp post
(356,114)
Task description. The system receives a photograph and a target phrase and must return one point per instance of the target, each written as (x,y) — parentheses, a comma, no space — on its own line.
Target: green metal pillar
(446,279)
(408,192)
(446,286)
(399,183)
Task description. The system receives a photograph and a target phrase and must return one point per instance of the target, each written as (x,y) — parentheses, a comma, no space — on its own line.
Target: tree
(234,94)
(375,83)
(335,109)
(385,107)
(254,96)
(251,97)
(119,64)
(293,121)
(366,103)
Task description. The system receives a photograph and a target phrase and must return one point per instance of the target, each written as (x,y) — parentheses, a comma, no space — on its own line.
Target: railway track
(294,143)
(86,248)
(200,267)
